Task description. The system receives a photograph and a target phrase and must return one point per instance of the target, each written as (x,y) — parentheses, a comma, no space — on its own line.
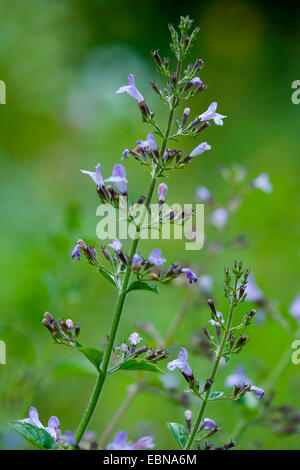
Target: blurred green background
(62,62)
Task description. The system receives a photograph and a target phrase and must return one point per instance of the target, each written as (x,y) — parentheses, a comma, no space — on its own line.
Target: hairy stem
(123,292)
(212,377)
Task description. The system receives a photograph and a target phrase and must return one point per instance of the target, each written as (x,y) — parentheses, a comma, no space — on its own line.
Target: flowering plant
(129,271)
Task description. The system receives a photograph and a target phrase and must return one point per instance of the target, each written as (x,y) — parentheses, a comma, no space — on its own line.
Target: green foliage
(179,432)
(139,364)
(39,437)
(94,355)
(140,285)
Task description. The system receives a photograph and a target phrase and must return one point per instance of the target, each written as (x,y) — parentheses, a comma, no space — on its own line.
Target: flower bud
(157,58)
(186,113)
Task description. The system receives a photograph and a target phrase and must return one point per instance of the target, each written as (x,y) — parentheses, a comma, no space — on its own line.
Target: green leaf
(142,364)
(179,432)
(94,355)
(37,436)
(74,366)
(108,276)
(140,285)
(215,395)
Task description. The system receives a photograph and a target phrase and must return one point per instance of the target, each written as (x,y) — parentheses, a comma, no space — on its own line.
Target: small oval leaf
(179,432)
(93,355)
(135,364)
(39,437)
(141,285)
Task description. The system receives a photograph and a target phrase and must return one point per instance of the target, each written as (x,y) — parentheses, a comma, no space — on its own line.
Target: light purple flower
(181,363)
(156,258)
(145,442)
(263,183)
(203,194)
(148,144)
(95,175)
(200,149)
(205,283)
(237,378)
(208,424)
(69,323)
(196,81)
(76,252)
(126,153)
(254,294)
(131,89)
(210,113)
(295,308)
(190,275)
(220,321)
(219,217)
(120,443)
(188,415)
(134,338)
(116,245)
(119,178)
(259,391)
(136,260)
(53,427)
(69,438)
(162,192)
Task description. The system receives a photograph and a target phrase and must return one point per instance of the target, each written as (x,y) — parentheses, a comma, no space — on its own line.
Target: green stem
(122,294)
(212,377)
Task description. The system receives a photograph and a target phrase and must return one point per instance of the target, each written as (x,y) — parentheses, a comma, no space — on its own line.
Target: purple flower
(126,153)
(190,275)
(219,217)
(203,194)
(196,81)
(120,443)
(148,144)
(156,258)
(208,423)
(145,442)
(136,260)
(263,183)
(181,363)
(259,391)
(210,113)
(254,294)
(95,175)
(76,252)
(237,378)
(220,321)
(135,338)
(200,149)
(53,427)
(295,308)
(69,438)
(188,415)
(119,178)
(131,89)
(116,245)
(162,192)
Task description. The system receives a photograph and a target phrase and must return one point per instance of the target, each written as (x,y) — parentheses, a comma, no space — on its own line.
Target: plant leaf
(141,285)
(179,432)
(141,364)
(108,276)
(37,436)
(94,355)
(216,395)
